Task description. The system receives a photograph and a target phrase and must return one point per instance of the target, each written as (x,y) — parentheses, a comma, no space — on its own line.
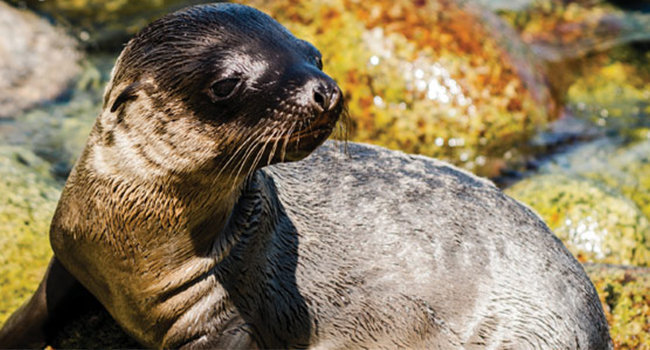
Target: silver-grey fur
(389,250)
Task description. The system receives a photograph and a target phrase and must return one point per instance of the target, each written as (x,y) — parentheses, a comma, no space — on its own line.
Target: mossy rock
(444,78)
(623,291)
(561,30)
(615,94)
(625,295)
(29,197)
(596,56)
(620,165)
(595,222)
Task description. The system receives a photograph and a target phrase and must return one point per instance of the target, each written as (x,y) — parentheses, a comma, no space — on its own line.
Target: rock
(562,30)
(29,197)
(614,95)
(506,5)
(596,55)
(597,223)
(105,24)
(93,329)
(621,166)
(625,294)
(38,60)
(57,131)
(443,78)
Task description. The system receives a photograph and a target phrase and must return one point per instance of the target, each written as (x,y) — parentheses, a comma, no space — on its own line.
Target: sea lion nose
(326,96)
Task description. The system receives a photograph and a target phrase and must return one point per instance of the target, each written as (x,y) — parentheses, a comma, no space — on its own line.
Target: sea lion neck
(182,214)
(174,242)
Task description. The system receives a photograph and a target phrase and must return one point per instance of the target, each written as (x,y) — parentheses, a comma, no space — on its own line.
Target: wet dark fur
(174,220)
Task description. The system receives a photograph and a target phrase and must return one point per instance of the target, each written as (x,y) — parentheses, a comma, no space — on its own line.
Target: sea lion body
(184,220)
(389,250)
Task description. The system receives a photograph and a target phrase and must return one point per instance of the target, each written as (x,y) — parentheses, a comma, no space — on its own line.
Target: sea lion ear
(129,93)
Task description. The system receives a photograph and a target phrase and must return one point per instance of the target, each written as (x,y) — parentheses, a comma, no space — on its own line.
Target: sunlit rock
(621,166)
(443,78)
(596,56)
(597,223)
(625,295)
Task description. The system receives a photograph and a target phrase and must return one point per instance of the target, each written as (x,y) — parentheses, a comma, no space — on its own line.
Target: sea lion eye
(224,88)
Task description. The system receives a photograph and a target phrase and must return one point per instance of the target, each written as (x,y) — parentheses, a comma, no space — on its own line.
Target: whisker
(260,153)
(300,128)
(248,153)
(286,140)
(345,125)
(241,147)
(276,135)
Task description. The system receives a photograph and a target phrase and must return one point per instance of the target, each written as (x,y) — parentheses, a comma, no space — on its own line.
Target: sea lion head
(215,89)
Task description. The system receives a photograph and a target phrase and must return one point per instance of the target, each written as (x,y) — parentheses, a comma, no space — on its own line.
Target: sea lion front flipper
(30,325)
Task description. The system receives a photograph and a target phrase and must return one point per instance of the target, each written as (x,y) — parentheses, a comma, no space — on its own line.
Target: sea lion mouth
(312,134)
(283,141)
(322,126)
(293,141)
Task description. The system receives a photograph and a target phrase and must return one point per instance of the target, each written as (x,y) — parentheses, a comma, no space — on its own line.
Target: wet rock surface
(442,78)
(596,222)
(38,60)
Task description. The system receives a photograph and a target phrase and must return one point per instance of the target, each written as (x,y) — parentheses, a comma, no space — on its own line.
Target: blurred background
(548,98)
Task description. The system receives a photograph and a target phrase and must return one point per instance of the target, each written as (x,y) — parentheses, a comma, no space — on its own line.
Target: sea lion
(187,220)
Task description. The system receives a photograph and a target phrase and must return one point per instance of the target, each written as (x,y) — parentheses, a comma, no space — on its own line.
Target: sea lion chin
(186,219)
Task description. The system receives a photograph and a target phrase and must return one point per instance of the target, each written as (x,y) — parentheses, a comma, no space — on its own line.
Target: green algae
(625,295)
(614,95)
(27,203)
(621,165)
(595,222)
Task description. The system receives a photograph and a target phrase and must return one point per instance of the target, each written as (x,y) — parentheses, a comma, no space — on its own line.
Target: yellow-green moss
(620,166)
(28,197)
(595,222)
(439,78)
(625,295)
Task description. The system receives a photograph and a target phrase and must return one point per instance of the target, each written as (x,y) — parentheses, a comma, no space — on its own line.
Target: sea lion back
(422,242)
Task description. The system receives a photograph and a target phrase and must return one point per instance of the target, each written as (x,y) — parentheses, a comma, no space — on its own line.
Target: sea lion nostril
(326,97)
(321,98)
